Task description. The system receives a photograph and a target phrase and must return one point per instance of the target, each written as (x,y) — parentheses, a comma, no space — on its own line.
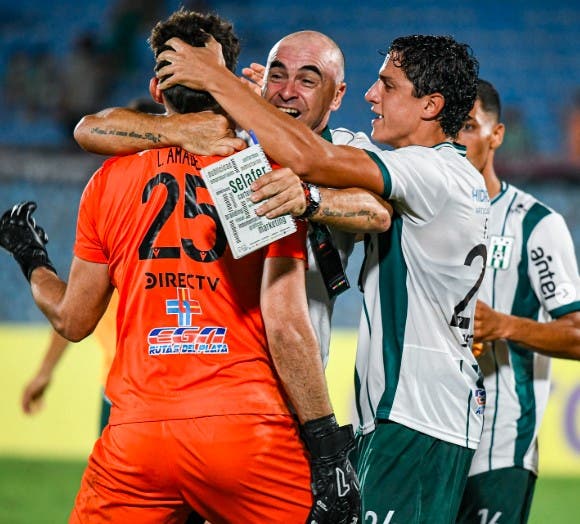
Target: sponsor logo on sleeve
(479,397)
(542,262)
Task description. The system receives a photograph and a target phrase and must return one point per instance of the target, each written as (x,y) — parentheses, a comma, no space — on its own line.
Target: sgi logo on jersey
(500,252)
(186,338)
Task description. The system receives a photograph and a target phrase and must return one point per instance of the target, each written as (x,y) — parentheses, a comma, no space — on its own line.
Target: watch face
(315,194)
(312,201)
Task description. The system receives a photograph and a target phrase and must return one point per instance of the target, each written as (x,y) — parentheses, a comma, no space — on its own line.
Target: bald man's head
(305,77)
(327,48)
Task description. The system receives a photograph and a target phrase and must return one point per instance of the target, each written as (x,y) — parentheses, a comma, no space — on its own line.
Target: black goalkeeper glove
(20,236)
(334,482)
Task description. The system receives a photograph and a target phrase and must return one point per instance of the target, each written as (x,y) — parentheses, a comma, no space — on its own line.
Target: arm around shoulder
(123,131)
(119,131)
(355,210)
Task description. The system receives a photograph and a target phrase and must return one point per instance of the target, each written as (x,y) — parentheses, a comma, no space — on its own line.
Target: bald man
(304,78)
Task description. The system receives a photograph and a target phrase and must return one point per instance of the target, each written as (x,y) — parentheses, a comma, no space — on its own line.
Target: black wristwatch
(313,199)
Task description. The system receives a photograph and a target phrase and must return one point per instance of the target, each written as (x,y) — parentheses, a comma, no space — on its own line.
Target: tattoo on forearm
(327,212)
(151,137)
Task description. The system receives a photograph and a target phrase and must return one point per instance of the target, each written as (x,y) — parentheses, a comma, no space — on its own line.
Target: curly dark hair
(194,28)
(439,64)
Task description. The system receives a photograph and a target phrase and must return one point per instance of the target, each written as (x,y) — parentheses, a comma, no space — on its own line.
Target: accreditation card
(228,182)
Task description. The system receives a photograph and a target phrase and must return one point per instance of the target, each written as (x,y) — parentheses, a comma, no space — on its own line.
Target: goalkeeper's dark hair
(194,28)
(439,64)
(489,97)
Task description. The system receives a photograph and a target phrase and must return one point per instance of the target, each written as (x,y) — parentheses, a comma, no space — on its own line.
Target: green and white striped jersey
(532,273)
(420,279)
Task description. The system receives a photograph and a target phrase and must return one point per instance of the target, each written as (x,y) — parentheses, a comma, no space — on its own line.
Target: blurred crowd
(40,84)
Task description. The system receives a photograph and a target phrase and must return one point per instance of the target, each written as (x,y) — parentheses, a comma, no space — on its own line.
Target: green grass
(34,491)
(556,501)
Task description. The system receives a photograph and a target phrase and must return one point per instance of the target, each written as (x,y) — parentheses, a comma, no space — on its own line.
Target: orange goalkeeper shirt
(190,334)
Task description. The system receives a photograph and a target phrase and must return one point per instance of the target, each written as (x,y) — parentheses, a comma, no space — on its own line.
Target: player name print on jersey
(500,252)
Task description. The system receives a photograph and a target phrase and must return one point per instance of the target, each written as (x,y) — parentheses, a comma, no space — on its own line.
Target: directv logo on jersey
(500,252)
(186,338)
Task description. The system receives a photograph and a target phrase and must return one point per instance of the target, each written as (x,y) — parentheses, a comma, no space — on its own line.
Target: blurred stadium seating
(528,49)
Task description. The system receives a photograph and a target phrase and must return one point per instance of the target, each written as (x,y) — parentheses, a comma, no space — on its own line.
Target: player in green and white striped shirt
(530,297)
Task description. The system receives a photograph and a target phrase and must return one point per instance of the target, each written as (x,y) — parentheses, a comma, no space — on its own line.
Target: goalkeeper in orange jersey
(204,370)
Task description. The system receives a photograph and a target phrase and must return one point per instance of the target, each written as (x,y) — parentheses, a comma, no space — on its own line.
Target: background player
(105,332)
(530,298)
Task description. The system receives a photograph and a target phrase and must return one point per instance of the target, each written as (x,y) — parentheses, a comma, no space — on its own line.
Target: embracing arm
(291,338)
(353,209)
(122,131)
(559,338)
(289,142)
(296,356)
(119,131)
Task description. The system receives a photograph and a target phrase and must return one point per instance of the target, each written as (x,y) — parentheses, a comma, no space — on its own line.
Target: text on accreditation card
(228,182)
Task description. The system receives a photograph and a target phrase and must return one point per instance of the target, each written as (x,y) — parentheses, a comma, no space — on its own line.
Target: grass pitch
(40,491)
(35,489)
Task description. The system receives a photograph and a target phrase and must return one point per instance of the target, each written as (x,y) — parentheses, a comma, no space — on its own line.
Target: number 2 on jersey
(457,320)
